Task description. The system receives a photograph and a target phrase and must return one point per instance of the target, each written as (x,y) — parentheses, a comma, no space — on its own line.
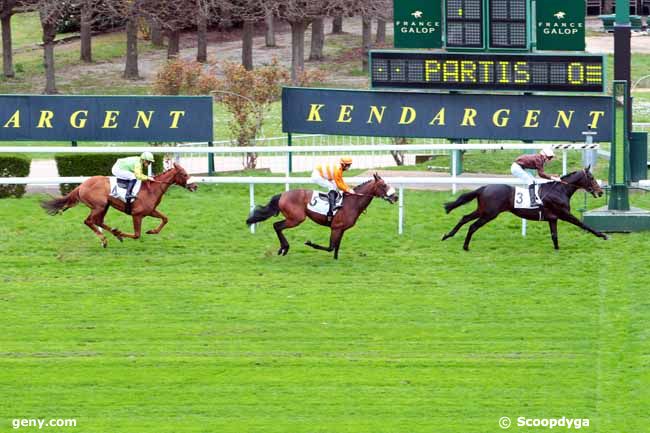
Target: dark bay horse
(94,193)
(293,205)
(556,196)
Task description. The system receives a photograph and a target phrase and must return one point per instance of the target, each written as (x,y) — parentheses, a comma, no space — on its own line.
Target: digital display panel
(464,23)
(508,24)
(456,71)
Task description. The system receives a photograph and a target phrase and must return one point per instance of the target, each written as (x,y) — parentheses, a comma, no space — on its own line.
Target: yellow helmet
(346,160)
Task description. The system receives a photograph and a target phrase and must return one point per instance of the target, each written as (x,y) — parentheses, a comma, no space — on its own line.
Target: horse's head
(181,178)
(384,190)
(585,179)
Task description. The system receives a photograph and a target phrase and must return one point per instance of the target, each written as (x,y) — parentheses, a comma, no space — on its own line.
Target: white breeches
(122,174)
(322,182)
(522,174)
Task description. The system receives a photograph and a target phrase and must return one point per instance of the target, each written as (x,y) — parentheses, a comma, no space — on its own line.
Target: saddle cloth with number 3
(522,197)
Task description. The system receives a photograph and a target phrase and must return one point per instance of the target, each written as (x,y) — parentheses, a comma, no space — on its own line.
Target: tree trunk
(7,47)
(86,29)
(247,45)
(366,38)
(608,6)
(297,49)
(49,32)
(337,25)
(269,20)
(157,37)
(317,39)
(202,36)
(173,43)
(131,67)
(381,31)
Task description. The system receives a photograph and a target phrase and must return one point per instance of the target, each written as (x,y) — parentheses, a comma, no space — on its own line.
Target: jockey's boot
(533,197)
(331,198)
(129,196)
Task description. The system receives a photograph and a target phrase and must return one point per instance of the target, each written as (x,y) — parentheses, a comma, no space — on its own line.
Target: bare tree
(130,11)
(247,45)
(337,25)
(269,21)
(6,11)
(381,31)
(202,15)
(317,39)
(366,41)
(85,31)
(156,34)
(299,13)
(50,13)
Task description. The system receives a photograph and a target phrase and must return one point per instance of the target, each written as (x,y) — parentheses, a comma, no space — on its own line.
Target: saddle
(118,188)
(320,204)
(522,197)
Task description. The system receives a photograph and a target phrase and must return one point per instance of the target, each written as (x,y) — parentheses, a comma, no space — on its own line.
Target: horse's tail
(61,204)
(261,213)
(463,199)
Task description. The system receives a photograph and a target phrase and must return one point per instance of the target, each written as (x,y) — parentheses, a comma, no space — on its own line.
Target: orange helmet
(346,160)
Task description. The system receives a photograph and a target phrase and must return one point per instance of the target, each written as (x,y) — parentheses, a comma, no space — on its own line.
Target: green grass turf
(204,328)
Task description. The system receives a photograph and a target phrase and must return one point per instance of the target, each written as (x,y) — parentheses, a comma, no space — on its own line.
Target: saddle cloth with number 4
(118,188)
(522,197)
(320,205)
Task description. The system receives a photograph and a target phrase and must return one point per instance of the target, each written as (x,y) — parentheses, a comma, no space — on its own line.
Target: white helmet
(548,152)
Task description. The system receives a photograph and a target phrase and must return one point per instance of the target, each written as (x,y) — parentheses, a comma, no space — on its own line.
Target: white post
(453,170)
(564,162)
(523,227)
(400,225)
(252,203)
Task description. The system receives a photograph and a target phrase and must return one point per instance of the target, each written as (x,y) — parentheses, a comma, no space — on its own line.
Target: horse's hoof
(286,251)
(152,232)
(465,248)
(444,237)
(605,237)
(104,243)
(308,243)
(280,252)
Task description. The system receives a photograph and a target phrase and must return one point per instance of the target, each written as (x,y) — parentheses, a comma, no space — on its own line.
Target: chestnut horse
(94,193)
(556,197)
(293,205)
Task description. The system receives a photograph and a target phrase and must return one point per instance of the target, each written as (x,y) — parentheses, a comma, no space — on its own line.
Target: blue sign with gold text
(105,118)
(453,116)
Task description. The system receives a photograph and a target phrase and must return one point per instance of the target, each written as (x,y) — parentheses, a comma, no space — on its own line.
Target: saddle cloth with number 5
(320,205)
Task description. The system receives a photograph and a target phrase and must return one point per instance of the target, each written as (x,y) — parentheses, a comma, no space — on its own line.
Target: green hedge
(13,166)
(93,165)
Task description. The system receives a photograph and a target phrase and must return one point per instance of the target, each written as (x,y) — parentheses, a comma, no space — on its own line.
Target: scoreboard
(460,71)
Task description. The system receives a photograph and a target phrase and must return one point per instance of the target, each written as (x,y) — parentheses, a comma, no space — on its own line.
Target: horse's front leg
(568,217)
(335,240)
(137,228)
(157,214)
(552,224)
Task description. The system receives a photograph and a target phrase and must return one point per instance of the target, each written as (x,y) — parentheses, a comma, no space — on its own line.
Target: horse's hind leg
(115,232)
(464,220)
(92,220)
(279,226)
(475,226)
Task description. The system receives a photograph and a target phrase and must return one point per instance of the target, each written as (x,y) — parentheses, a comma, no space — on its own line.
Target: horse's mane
(173,167)
(364,183)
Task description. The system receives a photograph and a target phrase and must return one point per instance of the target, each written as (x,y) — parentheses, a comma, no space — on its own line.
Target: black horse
(556,196)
